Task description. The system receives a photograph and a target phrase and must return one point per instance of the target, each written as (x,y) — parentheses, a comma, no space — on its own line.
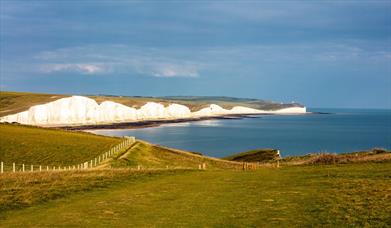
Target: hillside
(14,102)
(148,155)
(259,155)
(33,145)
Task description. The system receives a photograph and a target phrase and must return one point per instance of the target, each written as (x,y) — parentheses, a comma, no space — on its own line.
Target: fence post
(47,168)
(2,167)
(13,167)
(32,168)
(54,167)
(138,167)
(40,168)
(199,166)
(22,167)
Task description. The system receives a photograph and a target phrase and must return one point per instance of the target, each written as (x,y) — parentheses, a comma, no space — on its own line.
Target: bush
(324,159)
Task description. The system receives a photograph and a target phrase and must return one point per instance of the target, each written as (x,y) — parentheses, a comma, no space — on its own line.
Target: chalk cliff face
(82,110)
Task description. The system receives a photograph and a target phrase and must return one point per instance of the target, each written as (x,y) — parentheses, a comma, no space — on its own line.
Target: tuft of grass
(42,146)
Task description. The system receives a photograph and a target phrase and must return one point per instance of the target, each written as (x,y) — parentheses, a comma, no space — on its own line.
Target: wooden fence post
(1,167)
(47,168)
(138,167)
(40,168)
(199,166)
(13,167)
(22,167)
(32,168)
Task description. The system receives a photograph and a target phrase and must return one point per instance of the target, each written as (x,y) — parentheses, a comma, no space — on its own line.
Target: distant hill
(14,102)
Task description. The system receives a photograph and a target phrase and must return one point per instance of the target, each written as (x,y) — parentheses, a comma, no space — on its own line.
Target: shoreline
(157,123)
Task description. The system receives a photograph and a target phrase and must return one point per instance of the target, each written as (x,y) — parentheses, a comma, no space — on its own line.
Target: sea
(330,130)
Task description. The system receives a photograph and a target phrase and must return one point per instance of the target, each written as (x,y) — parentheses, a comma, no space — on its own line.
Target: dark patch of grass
(259,155)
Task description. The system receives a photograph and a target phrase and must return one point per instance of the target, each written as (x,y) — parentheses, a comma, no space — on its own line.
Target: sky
(319,53)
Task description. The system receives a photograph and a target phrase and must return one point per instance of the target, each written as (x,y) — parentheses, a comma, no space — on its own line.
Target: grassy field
(153,156)
(40,146)
(19,190)
(14,102)
(355,194)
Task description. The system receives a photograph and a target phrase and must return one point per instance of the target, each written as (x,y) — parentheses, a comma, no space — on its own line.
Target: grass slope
(259,155)
(14,102)
(154,156)
(40,146)
(332,196)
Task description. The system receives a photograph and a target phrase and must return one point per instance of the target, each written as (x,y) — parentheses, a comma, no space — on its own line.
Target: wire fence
(94,162)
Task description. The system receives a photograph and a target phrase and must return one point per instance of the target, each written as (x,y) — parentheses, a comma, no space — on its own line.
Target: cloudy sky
(322,54)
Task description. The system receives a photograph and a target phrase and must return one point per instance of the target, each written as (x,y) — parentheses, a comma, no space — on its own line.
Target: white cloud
(169,71)
(81,68)
(119,59)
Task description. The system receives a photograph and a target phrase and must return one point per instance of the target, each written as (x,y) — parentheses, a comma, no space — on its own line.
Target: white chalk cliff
(78,110)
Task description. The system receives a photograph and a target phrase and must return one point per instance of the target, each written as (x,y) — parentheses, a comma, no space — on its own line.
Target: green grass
(258,155)
(333,196)
(40,146)
(153,156)
(19,190)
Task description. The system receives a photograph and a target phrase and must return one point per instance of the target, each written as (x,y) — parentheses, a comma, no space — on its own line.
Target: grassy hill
(40,146)
(154,156)
(14,102)
(348,195)
(258,155)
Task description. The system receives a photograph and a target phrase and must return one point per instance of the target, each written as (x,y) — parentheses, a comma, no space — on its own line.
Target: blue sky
(319,53)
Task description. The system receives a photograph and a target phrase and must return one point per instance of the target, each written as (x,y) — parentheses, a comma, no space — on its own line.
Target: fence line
(81,166)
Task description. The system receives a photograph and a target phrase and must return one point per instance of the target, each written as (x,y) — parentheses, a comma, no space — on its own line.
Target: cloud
(118,59)
(193,62)
(169,71)
(81,68)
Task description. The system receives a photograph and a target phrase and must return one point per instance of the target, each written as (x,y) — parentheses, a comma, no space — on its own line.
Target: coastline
(159,122)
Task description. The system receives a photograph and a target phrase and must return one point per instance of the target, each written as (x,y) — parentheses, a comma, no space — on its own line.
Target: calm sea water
(343,131)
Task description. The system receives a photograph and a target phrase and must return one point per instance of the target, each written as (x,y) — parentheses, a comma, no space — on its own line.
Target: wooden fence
(94,162)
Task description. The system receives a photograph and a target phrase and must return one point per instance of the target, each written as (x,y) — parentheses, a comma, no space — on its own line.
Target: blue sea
(344,130)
